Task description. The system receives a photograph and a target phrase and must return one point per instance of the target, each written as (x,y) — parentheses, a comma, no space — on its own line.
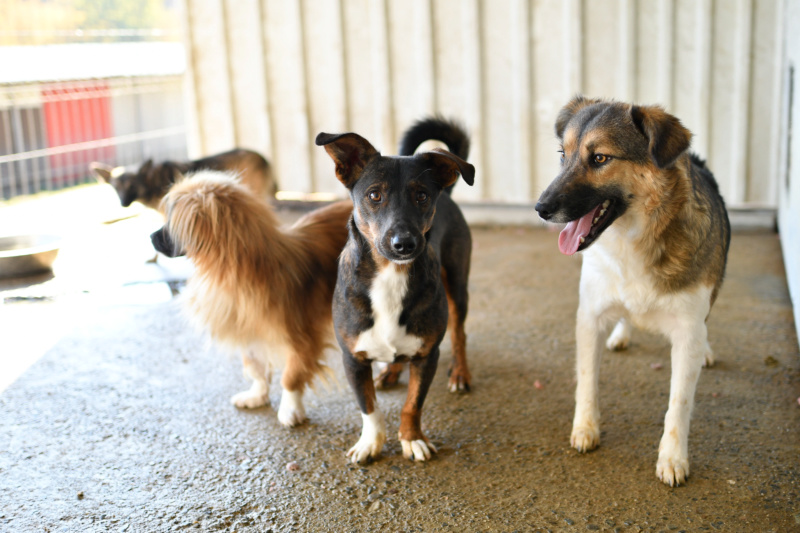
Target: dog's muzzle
(545,212)
(402,247)
(404,244)
(163,243)
(550,211)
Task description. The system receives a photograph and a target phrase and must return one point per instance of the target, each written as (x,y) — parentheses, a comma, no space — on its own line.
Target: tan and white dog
(260,288)
(659,236)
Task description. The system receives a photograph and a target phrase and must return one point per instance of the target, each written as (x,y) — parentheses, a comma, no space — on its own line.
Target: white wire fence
(51,132)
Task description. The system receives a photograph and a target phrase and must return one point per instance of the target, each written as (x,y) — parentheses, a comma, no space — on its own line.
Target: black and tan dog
(150,182)
(659,236)
(399,271)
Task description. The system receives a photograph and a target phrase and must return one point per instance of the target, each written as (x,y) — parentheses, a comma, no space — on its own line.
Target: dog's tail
(436,128)
(704,171)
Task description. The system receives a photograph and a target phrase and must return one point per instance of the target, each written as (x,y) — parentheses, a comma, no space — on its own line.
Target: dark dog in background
(150,182)
(401,269)
(259,288)
(655,234)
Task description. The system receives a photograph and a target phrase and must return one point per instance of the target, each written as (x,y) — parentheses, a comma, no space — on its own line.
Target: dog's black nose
(404,244)
(544,210)
(163,243)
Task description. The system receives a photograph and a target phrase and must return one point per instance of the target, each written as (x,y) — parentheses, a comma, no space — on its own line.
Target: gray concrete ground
(116,415)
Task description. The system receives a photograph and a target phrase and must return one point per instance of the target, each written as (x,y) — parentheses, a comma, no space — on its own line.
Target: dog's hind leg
(586,423)
(689,353)
(620,337)
(708,358)
(257,369)
(388,376)
(296,376)
(455,283)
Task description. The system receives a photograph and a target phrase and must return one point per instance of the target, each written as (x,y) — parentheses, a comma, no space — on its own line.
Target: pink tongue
(570,238)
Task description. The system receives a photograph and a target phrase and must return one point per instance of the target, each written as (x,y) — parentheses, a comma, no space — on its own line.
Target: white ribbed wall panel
(271,74)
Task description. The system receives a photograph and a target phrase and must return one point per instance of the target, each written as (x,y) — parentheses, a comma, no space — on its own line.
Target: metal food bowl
(22,255)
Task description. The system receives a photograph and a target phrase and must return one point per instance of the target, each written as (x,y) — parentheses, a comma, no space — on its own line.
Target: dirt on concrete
(125,423)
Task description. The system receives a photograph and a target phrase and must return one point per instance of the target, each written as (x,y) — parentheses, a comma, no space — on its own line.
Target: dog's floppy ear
(667,137)
(449,166)
(101,171)
(569,111)
(351,153)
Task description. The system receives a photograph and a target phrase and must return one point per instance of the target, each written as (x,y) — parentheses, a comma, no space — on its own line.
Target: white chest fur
(387,339)
(615,280)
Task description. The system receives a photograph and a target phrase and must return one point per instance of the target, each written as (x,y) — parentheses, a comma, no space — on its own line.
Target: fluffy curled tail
(436,128)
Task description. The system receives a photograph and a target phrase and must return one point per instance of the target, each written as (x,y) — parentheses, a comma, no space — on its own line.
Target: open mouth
(579,234)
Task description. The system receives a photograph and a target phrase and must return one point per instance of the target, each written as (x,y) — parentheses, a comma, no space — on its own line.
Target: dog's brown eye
(422,197)
(375,196)
(561,155)
(600,158)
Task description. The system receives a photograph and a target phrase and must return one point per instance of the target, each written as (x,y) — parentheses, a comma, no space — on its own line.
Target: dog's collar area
(580,233)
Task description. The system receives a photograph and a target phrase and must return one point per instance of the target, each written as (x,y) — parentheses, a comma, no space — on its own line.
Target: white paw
(620,337)
(291,411)
(673,460)
(672,470)
(417,450)
(373,437)
(585,438)
(256,396)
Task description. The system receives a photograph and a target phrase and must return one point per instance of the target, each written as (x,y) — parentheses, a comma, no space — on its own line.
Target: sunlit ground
(103,262)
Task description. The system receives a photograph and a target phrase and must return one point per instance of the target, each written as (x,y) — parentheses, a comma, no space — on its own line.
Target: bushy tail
(436,128)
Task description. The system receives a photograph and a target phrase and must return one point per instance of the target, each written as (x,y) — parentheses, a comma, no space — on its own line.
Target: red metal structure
(76,113)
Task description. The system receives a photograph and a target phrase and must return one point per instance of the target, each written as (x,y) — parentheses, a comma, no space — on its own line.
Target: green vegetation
(32,22)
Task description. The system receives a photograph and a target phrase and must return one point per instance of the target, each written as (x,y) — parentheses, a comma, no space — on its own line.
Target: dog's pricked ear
(170,172)
(351,153)
(144,170)
(667,137)
(569,111)
(449,166)
(101,171)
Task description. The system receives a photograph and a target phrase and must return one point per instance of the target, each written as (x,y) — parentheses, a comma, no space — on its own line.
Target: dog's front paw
(291,411)
(373,437)
(418,450)
(673,459)
(365,449)
(672,470)
(255,396)
(584,438)
(459,380)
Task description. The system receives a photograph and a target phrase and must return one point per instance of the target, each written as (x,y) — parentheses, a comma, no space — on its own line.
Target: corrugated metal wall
(271,74)
(789,175)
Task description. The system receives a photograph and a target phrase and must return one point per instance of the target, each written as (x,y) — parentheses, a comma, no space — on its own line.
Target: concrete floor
(119,419)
